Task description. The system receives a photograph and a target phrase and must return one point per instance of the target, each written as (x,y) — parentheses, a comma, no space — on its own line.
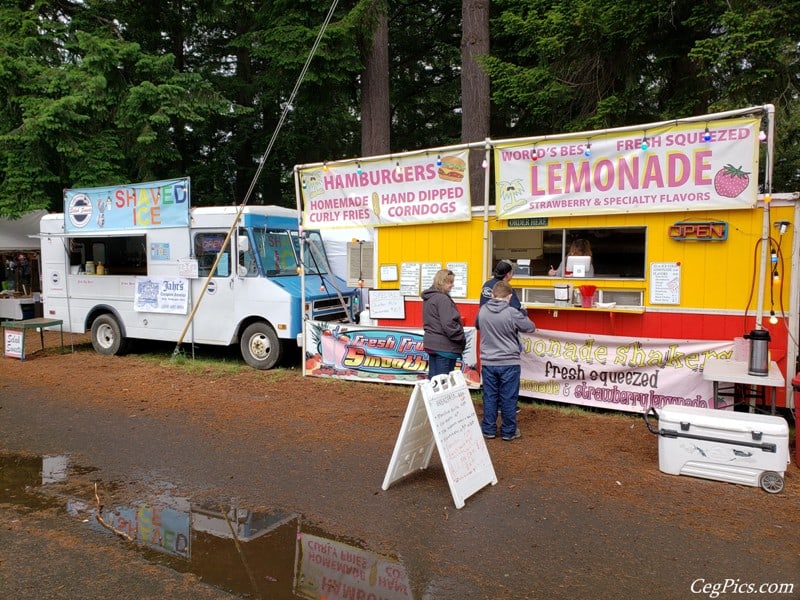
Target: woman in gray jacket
(444,339)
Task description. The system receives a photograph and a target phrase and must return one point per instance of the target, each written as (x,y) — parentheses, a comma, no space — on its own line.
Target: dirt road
(580,509)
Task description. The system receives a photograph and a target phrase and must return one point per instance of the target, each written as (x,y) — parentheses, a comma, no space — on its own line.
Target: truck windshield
(315,257)
(279,252)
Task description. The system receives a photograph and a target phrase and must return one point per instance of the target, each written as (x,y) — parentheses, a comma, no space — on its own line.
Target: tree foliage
(98,92)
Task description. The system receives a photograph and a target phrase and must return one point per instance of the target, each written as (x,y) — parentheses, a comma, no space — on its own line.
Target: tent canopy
(14,233)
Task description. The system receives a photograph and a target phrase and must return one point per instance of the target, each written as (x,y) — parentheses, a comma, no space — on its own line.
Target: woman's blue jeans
(439,365)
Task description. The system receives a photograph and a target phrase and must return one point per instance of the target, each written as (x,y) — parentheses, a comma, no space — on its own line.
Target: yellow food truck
(690,259)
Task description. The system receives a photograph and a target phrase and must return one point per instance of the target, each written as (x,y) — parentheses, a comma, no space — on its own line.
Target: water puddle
(251,554)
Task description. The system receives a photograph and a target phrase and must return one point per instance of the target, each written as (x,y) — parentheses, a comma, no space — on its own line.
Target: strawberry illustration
(730,181)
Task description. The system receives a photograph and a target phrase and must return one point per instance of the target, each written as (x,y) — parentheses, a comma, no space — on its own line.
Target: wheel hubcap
(259,347)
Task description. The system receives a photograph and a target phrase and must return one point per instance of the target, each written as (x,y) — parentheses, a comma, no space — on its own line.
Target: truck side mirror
(243,242)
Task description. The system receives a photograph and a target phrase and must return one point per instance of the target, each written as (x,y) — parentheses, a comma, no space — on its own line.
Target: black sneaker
(516,435)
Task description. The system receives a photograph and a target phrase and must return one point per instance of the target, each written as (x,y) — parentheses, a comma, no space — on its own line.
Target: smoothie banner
(151,205)
(382,355)
(412,189)
(678,167)
(618,373)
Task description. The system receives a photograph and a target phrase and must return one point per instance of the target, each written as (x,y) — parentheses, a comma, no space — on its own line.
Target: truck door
(214,320)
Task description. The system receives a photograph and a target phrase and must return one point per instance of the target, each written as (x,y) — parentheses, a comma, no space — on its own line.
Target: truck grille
(330,309)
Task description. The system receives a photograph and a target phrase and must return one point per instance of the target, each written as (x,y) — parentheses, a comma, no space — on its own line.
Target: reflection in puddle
(256,554)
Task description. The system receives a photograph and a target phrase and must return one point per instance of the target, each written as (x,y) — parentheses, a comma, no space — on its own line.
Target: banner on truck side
(128,207)
(409,190)
(617,373)
(161,295)
(676,167)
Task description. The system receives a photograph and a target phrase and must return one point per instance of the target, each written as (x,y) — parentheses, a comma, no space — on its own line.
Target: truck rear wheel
(107,336)
(260,346)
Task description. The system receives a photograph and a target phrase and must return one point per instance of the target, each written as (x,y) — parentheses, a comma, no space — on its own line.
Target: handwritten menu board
(429,270)
(459,269)
(386,304)
(440,413)
(409,279)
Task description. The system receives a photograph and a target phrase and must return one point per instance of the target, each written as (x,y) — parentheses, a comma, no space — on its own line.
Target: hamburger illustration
(452,168)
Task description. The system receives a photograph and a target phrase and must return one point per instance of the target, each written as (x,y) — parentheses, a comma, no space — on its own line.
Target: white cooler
(749,449)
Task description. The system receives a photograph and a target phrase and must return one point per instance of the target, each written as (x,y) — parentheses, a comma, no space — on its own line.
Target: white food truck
(135,261)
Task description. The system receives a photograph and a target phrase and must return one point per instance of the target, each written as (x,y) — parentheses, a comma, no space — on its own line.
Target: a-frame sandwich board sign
(440,414)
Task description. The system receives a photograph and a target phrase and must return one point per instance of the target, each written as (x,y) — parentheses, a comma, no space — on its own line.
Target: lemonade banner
(381,355)
(674,167)
(618,373)
(412,189)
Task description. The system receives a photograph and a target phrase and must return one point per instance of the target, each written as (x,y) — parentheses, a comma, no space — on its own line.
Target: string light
(645,145)
(485,164)
(773,319)
(397,169)
(762,136)
(439,160)
(588,152)
(325,166)
(358,167)
(535,156)
(706,135)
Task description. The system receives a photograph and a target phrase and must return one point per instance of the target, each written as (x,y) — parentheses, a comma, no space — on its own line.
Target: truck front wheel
(260,346)
(107,336)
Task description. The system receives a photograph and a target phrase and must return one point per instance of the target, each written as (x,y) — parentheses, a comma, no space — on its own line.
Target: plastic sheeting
(15,233)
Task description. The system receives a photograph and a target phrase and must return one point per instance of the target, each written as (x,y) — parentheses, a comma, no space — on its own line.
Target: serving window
(617,252)
(206,248)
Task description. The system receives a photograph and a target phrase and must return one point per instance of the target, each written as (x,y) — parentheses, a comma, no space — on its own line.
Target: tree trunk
(475,89)
(375,113)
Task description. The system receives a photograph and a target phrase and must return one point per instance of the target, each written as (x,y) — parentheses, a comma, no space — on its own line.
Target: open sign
(700,231)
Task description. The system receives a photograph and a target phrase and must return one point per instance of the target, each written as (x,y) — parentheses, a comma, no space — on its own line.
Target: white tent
(15,233)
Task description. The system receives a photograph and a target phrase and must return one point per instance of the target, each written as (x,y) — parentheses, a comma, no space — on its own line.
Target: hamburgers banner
(419,188)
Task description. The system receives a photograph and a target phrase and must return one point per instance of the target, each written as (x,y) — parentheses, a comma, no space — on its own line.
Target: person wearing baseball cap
(503,271)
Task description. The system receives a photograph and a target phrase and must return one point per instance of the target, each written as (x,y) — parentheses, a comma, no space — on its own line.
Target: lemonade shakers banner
(678,167)
(412,189)
(381,355)
(618,373)
(149,205)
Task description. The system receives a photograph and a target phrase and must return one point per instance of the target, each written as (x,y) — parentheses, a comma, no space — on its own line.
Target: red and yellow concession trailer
(691,252)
